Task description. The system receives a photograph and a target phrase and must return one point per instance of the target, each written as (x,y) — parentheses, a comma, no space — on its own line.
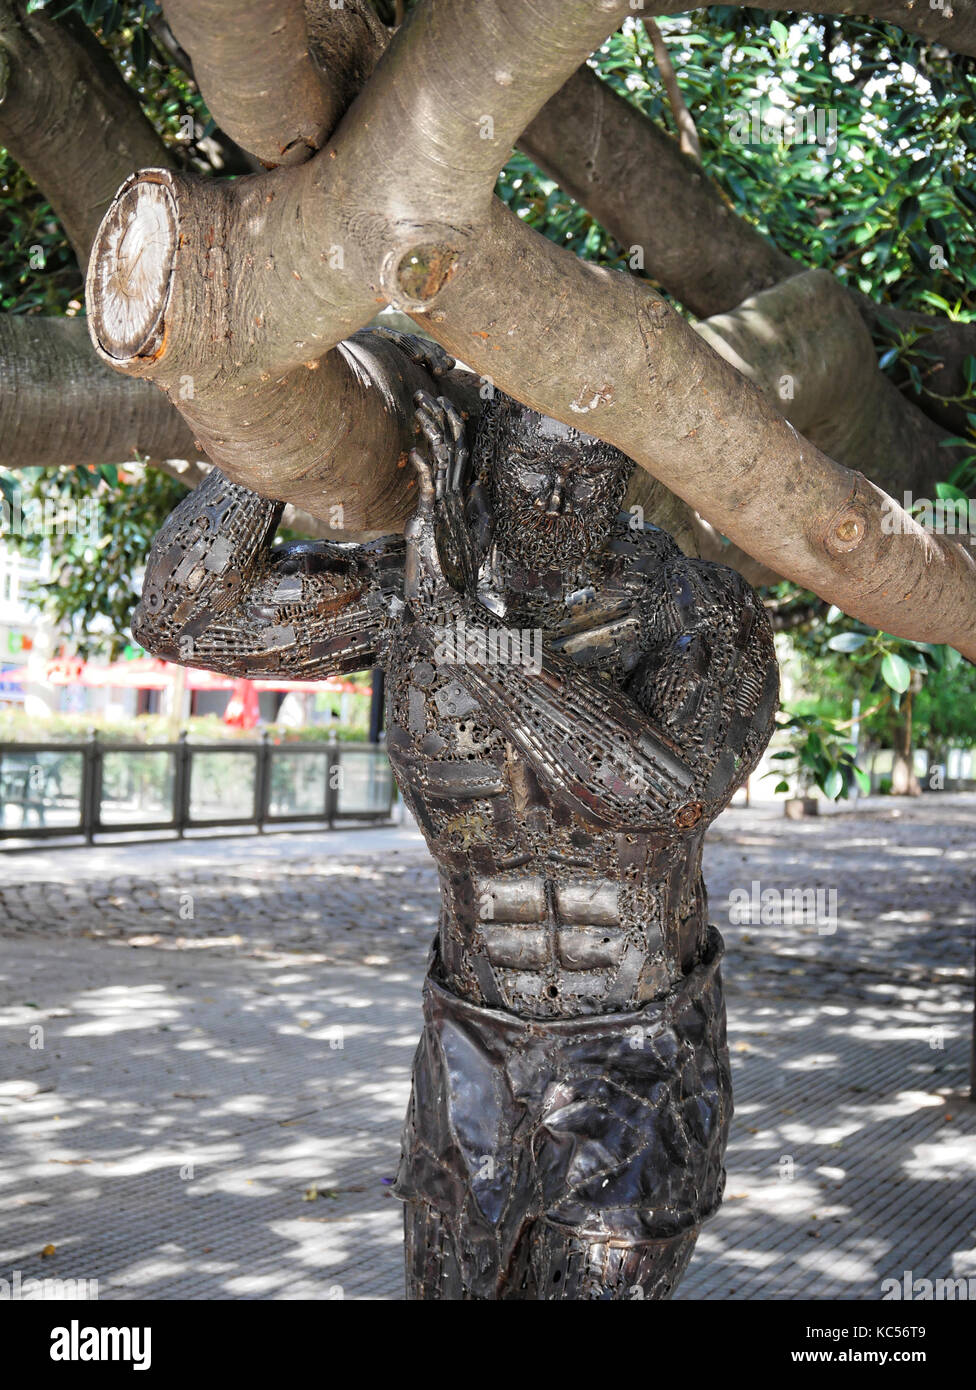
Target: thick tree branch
(596,349)
(60,404)
(277,82)
(635,181)
(169,262)
(69,119)
(804,343)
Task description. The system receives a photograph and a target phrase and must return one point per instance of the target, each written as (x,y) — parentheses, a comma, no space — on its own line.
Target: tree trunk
(903,779)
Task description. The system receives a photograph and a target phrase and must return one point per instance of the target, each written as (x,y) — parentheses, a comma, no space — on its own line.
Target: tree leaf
(847,642)
(908,211)
(833,783)
(895,672)
(950,493)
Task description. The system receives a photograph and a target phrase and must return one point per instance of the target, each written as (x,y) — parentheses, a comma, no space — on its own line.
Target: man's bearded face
(554,491)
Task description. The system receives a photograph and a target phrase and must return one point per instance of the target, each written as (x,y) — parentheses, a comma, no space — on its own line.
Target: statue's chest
(445,746)
(455,758)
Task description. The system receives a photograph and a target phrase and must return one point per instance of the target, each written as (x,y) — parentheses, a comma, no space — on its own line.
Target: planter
(796,807)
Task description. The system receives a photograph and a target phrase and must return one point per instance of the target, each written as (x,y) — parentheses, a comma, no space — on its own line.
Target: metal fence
(99,787)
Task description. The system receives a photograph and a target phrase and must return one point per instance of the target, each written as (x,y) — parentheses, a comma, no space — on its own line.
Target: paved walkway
(212,1105)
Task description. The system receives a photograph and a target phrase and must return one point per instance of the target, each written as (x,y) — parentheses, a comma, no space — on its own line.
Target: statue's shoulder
(689,590)
(640,549)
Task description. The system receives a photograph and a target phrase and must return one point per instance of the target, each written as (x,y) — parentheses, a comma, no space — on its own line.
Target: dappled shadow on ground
(904,879)
(853,1149)
(167,1137)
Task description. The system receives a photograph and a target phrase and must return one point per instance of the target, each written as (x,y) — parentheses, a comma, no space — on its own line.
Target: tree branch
(171,253)
(688,141)
(805,345)
(276,82)
(634,180)
(59,403)
(69,119)
(580,343)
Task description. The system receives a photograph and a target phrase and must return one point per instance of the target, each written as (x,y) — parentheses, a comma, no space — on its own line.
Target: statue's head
(554,491)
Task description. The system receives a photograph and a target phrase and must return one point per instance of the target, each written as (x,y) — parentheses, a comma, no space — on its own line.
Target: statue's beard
(541,540)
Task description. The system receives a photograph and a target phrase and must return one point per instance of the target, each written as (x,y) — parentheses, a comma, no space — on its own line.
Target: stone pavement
(206,1048)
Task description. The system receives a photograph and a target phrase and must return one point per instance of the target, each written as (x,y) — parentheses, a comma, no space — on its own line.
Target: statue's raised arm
(219,594)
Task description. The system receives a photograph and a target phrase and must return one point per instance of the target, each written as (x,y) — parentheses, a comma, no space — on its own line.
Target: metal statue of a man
(570,702)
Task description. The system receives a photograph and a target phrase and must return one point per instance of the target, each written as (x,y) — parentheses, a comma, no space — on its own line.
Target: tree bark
(60,404)
(283,107)
(903,779)
(805,345)
(634,179)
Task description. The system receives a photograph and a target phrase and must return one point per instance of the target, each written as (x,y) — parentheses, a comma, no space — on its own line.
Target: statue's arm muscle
(218,594)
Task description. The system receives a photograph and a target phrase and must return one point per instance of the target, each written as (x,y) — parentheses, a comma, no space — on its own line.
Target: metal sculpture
(570,702)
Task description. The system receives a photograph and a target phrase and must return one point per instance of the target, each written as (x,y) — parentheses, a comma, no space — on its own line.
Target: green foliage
(819,754)
(38,270)
(961,482)
(944,710)
(98,528)
(543,205)
(18,727)
(904,112)
(840,660)
(870,662)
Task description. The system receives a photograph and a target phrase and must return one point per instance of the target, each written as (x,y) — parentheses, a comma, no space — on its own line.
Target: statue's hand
(459,510)
(421,351)
(425,578)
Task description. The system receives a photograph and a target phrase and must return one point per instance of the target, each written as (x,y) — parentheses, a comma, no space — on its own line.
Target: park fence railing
(102,787)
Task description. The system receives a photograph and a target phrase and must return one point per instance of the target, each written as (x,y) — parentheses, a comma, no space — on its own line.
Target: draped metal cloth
(611,1127)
